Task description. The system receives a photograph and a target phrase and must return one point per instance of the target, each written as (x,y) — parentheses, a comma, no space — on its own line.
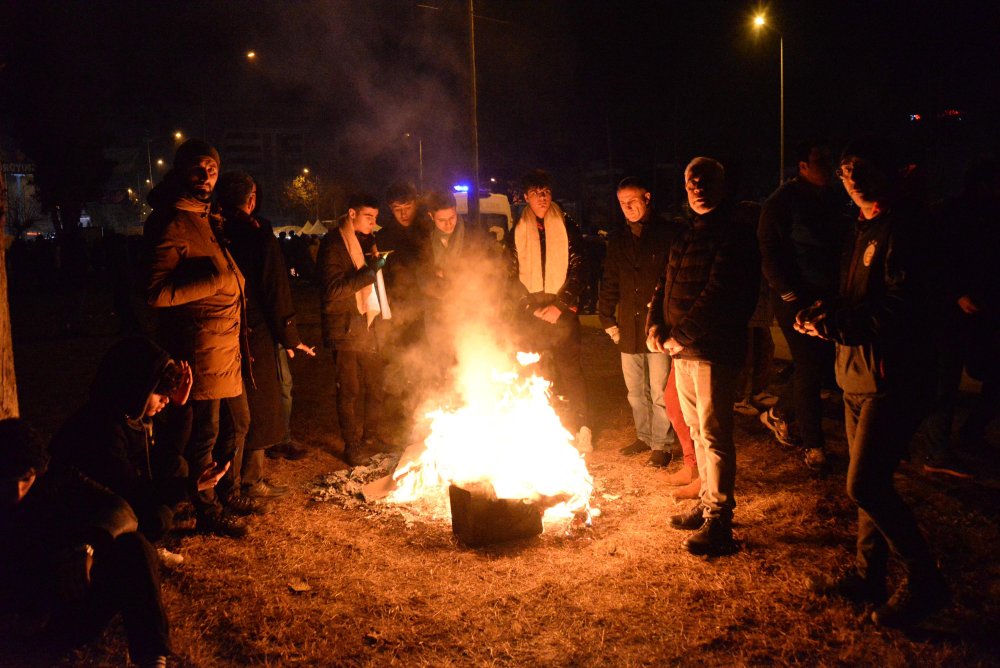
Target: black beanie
(190,154)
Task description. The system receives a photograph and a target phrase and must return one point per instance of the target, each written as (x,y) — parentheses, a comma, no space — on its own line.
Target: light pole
(420,159)
(315,180)
(760,21)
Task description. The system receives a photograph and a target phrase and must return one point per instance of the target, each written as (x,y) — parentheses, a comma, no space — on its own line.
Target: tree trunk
(8,384)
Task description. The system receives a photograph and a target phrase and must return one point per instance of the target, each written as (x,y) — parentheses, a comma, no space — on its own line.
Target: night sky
(567,86)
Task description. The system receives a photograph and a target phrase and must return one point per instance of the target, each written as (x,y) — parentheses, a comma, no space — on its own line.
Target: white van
(494,212)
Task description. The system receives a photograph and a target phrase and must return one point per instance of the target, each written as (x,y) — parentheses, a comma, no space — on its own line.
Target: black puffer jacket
(344,328)
(107,443)
(710,287)
(631,270)
(879,320)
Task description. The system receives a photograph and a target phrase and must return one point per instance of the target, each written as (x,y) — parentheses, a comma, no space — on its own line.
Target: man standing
(801,235)
(699,316)
(635,261)
(270,318)
(877,322)
(545,251)
(354,304)
(198,289)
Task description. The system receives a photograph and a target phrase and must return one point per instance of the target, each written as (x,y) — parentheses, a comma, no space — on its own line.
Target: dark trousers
(217,435)
(813,359)
(359,394)
(562,341)
(879,429)
(934,435)
(125,578)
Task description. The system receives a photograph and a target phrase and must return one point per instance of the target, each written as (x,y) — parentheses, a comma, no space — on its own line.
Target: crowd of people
(894,303)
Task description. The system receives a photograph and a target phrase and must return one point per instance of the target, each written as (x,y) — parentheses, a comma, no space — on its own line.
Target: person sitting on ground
(270,318)
(117,440)
(72,558)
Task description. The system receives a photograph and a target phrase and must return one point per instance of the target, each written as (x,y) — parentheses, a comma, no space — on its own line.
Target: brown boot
(688,491)
(682,476)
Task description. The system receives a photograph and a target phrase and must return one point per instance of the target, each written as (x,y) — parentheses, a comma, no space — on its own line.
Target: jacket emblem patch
(869,253)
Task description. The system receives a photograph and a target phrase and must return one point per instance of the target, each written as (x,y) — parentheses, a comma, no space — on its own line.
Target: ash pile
(345,488)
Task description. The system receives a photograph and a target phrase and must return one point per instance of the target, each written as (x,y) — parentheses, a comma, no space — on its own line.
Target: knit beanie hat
(190,154)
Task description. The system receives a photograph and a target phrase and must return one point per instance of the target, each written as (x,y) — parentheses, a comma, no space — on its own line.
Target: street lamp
(420,160)
(178,135)
(760,21)
(251,55)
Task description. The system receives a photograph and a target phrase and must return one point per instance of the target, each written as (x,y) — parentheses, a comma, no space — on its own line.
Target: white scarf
(371,299)
(529,250)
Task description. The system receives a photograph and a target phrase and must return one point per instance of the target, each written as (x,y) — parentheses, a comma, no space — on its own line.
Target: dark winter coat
(406,244)
(710,286)
(198,289)
(631,270)
(270,317)
(801,234)
(62,511)
(107,442)
(344,328)
(568,296)
(879,319)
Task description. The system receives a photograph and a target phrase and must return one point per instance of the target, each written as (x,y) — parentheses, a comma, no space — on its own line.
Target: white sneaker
(169,559)
(583,441)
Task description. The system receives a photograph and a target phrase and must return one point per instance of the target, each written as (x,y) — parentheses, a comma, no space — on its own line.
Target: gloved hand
(378,262)
(613,333)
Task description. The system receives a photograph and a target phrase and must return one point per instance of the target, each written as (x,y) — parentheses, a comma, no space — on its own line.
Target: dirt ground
(384,589)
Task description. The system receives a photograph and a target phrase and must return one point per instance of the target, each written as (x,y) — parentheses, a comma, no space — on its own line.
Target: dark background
(573,87)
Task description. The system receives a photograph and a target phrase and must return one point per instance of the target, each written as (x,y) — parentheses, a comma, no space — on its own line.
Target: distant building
(272,156)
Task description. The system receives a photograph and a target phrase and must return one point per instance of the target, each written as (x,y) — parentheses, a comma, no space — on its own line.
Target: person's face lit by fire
(445,220)
(539,200)
(363,219)
(634,203)
(705,184)
(864,182)
(404,212)
(154,404)
(819,168)
(15,488)
(200,179)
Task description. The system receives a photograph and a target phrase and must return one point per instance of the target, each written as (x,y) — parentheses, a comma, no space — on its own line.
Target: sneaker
(291,451)
(584,441)
(660,458)
(692,490)
(949,467)
(682,476)
(263,489)
(689,521)
(850,586)
(713,539)
(815,459)
(634,448)
(746,408)
(912,602)
(242,505)
(779,427)
(168,559)
(222,524)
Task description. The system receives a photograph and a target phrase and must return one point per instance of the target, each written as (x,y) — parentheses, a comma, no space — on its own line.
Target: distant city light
(305,170)
(251,55)
(178,135)
(159,161)
(461,188)
(759,20)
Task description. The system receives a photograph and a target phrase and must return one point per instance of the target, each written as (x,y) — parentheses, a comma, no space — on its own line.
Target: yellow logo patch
(869,253)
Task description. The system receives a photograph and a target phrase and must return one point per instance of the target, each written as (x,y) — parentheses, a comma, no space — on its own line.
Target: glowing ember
(505,434)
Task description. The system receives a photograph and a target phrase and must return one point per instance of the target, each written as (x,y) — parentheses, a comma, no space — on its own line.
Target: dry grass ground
(385,591)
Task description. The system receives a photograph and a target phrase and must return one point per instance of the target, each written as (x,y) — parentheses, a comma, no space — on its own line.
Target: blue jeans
(646,378)
(706,392)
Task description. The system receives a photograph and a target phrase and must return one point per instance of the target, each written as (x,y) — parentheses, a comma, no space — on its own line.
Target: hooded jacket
(109,442)
(198,289)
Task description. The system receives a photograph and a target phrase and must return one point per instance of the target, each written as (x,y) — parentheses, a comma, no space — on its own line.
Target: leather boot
(682,476)
(713,539)
(689,521)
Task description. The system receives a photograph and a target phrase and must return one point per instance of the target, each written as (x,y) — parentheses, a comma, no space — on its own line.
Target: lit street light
(760,21)
(178,135)
(159,162)
(251,55)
